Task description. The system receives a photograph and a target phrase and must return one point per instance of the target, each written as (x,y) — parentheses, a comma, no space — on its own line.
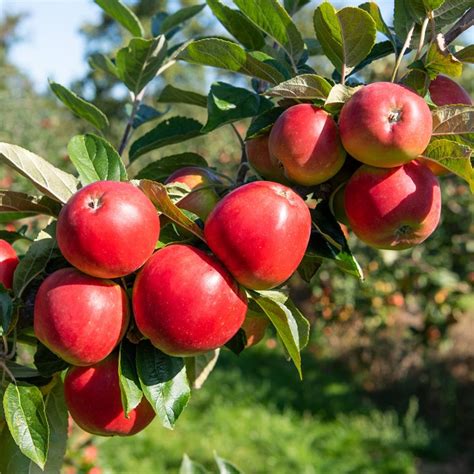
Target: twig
(422,37)
(243,167)
(402,52)
(464,23)
(128,128)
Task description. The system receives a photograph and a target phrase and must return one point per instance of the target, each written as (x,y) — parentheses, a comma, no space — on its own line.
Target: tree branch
(464,23)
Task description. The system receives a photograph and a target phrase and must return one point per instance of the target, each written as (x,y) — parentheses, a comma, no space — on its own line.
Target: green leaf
(79,106)
(225,467)
(121,13)
(227,103)
(95,159)
(450,11)
(170,131)
(431,5)
(466,55)
(21,371)
(379,51)
(418,80)
(347,36)
(308,267)
(237,342)
(146,114)
(292,6)
(164,382)
(231,57)
(48,179)
(262,124)
(130,390)
(139,62)
(103,63)
(47,362)
(238,25)
(11,236)
(374,11)
(453,156)
(159,170)
(172,21)
(440,61)
(338,96)
(190,467)
(11,459)
(404,15)
(6,311)
(157,194)
(15,202)
(198,368)
(273,19)
(26,419)
(305,86)
(453,120)
(174,95)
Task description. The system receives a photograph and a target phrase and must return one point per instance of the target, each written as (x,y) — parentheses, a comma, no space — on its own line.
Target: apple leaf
(168,132)
(305,86)
(146,114)
(164,382)
(439,60)
(47,362)
(95,159)
(121,13)
(292,6)
(130,390)
(48,179)
(308,267)
(25,415)
(374,11)
(79,106)
(225,467)
(173,95)
(347,36)
(466,55)
(272,18)
(198,368)
(15,202)
(158,195)
(163,24)
(449,12)
(230,56)
(190,467)
(338,96)
(101,62)
(418,80)
(6,311)
(263,123)
(453,120)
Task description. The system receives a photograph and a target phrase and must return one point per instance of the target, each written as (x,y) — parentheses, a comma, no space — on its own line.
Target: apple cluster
(392,200)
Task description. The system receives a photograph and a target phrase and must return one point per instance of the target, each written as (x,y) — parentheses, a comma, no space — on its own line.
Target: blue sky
(52,47)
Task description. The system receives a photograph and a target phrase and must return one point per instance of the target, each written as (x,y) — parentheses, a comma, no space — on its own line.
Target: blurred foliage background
(389,373)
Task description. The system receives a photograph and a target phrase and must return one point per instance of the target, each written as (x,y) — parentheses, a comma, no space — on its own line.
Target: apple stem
(402,53)
(424,26)
(243,167)
(128,128)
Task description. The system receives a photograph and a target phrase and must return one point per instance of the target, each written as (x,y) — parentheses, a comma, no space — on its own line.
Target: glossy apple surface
(445,91)
(8,262)
(260,232)
(185,301)
(385,125)
(262,162)
(393,208)
(305,139)
(108,229)
(78,317)
(93,398)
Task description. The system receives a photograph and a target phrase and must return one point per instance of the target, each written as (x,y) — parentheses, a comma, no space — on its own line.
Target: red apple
(198,202)
(186,303)
(93,399)
(394,208)
(254,328)
(78,317)
(8,263)
(336,203)
(445,91)
(260,232)
(385,125)
(306,141)
(108,229)
(262,162)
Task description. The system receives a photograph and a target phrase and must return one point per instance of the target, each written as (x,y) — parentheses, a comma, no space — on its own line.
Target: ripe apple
(262,162)
(93,398)
(200,202)
(445,91)
(78,317)
(336,203)
(260,232)
(185,301)
(394,208)
(254,328)
(385,125)
(108,229)
(8,262)
(306,141)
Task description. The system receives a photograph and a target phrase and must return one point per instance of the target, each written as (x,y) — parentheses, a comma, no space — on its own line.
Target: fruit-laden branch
(464,23)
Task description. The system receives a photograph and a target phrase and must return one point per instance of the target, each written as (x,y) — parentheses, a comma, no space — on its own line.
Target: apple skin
(393,208)
(305,139)
(80,318)
(8,262)
(186,302)
(201,202)
(93,398)
(260,232)
(336,203)
(254,328)
(445,91)
(385,125)
(262,162)
(108,229)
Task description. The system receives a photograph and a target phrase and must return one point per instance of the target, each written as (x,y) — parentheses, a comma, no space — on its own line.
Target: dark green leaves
(273,19)
(346,36)
(6,311)
(95,159)
(174,95)
(145,114)
(121,13)
(262,124)
(130,389)
(227,103)
(374,11)
(12,202)
(305,86)
(164,382)
(26,419)
(48,363)
(164,24)
(79,106)
(230,56)
(138,63)
(168,132)
(50,180)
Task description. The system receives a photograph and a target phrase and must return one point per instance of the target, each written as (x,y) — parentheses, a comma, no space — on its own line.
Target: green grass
(255,412)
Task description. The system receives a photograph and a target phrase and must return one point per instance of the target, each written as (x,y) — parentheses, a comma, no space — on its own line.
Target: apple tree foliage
(270,57)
